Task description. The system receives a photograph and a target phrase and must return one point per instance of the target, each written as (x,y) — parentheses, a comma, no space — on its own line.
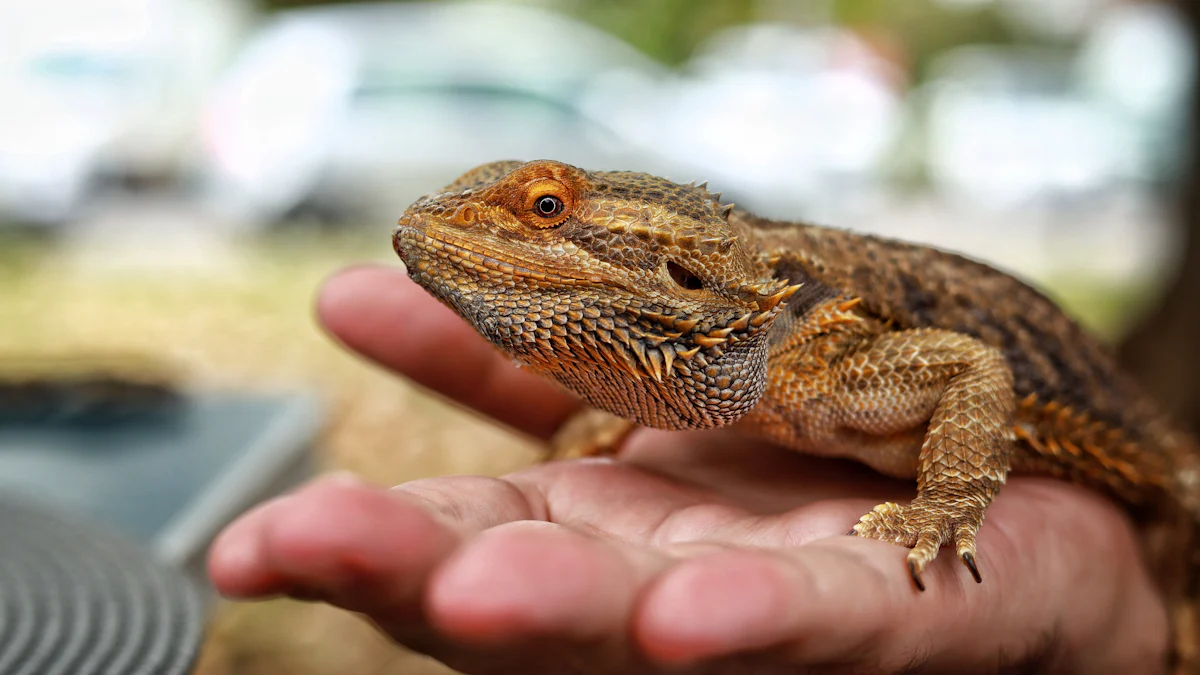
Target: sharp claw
(852,533)
(916,576)
(968,559)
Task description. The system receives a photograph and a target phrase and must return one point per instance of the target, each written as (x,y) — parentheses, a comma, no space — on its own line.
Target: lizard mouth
(411,242)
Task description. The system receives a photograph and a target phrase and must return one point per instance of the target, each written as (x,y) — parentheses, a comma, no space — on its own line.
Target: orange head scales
(636,293)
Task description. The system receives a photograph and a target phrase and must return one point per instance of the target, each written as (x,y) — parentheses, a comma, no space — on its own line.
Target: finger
(356,546)
(538,597)
(381,313)
(809,596)
(799,602)
(540,580)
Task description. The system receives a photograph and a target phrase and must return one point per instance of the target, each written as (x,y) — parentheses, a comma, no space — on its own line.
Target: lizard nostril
(465,215)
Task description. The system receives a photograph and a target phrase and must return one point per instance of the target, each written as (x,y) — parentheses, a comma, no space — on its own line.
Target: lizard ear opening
(684,277)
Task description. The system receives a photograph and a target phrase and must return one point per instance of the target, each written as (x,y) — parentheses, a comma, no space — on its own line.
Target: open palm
(694,552)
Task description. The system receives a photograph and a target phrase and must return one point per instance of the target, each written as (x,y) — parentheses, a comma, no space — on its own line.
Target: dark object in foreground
(82,391)
(172,486)
(86,402)
(75,598)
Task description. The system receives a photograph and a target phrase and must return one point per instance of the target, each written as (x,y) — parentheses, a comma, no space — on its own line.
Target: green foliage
(925,28)
(667,30)
(272,5)
(670,30)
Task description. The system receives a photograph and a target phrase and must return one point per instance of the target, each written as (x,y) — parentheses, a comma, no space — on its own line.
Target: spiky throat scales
(633,292)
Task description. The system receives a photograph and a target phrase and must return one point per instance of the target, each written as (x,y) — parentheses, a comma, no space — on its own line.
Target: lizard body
(656,303)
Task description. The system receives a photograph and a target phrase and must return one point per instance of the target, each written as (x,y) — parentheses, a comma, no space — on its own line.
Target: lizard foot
(925,527)
(588,433)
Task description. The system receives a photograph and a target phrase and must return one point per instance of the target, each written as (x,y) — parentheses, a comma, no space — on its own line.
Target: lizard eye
(684,277)
(548,206)
(546,203)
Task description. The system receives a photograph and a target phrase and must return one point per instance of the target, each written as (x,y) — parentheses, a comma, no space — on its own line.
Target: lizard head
(637,293)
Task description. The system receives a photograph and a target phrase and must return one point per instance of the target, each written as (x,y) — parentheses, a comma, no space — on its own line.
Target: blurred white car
(49,154)
(100,86)
(789,122)
(1009,128)
(354,111)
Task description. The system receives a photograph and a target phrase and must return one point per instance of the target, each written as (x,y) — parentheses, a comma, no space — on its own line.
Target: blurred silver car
(353,111)
(93,87)
(788,121)
(1009,128)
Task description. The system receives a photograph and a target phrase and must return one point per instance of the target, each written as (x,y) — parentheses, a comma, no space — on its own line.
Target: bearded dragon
(657,303)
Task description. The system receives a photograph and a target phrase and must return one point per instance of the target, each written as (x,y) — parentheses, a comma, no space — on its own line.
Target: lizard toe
(964,543)
(924,527)
(887,522)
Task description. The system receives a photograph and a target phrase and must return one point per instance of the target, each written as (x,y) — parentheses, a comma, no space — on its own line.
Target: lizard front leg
(964,456)
(872,403)
(589,432)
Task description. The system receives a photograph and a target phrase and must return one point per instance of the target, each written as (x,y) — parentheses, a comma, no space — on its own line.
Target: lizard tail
(1182,588)
(1174,548)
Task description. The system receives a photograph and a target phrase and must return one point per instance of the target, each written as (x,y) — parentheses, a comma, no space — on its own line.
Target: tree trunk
(1162,352)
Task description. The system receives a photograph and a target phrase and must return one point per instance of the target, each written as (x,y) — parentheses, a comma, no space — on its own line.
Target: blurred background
(177,176)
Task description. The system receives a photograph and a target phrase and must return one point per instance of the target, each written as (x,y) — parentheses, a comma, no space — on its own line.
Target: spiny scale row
(668,235)
(720,209)
(1066,431)
(1066,418)
(658,357)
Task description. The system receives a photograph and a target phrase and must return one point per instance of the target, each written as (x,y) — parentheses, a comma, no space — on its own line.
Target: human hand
(699,552)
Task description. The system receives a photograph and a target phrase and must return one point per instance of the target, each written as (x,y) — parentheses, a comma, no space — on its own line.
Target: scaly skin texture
(654,302)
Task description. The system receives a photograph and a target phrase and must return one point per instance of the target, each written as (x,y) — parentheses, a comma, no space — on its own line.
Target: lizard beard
(709,391)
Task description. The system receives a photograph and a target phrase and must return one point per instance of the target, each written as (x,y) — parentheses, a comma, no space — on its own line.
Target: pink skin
(691,550)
